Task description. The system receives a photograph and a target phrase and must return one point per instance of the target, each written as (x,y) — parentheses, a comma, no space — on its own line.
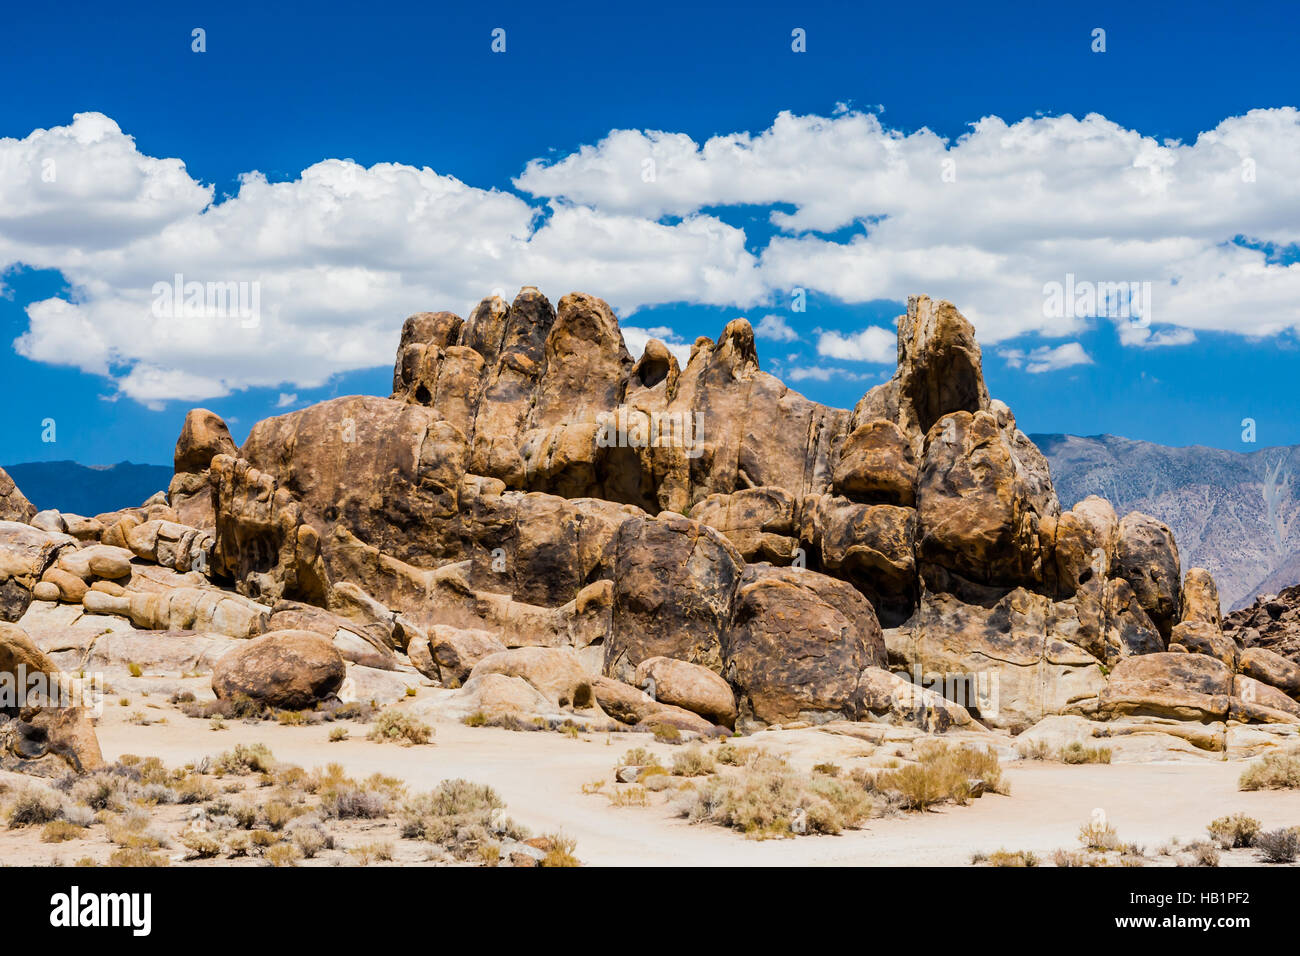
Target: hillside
(88,489)
(1232,513)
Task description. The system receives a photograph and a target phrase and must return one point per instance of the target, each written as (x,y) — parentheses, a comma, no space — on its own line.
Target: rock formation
(538,516)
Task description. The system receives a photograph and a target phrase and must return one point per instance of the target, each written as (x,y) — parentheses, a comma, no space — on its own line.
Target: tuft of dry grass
(1077,753)
(560,852)
(400,727)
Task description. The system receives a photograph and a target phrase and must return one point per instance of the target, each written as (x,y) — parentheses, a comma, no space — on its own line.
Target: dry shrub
(1279,771)
(1237,830)
(1011,858)
(283,854)
(1203,853)
(762,800)
(1077,753)
(629,797)
(136,856)
(1098,835)
(35,806)
(1278,846)
(398,726)
(459,815)
(201,846)
(693,762)
(941,773)
(57,831)
(560,851)
(640,757)
(1034,750)
(245,758)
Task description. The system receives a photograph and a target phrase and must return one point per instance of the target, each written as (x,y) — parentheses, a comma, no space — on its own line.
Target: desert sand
(540,776)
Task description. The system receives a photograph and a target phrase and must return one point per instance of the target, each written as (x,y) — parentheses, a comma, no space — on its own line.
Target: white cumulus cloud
(1046,358)
(858,212)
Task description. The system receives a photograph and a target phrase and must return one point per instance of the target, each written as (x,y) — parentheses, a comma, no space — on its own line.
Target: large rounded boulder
(286,669)
(688,686)
(797,643)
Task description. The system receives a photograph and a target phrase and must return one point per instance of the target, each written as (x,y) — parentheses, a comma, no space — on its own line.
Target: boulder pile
(536,519)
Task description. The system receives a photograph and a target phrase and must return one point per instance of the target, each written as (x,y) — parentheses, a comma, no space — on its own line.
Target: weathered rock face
(286,669)
(26,554)
(554,671)
(1147,557)
(672,594)
(871,546)
(450,653)
(35,737)
(1010,664)
(1182,686)
(877,465)
(796,644)
(203,436)
(1271,623)
(940,371)
(978,522)
(882,694)
(688,686)
(1084,543)
(526,489)
(1263,665)
(13,505)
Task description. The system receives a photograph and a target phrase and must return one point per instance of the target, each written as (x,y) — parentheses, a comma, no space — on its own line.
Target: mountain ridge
(1234,513)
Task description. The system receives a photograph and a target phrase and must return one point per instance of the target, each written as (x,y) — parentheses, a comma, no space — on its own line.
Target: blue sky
(279,92)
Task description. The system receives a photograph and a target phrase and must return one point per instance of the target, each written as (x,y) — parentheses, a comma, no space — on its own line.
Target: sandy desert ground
(541,775)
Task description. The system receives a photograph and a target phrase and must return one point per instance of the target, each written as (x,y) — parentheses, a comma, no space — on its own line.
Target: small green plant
(134,669)
(829,769)
(217,723)
(291,718)
(410,692)
(476,719)
(337,734)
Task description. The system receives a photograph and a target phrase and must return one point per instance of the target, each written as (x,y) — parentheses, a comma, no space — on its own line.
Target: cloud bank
(859,212)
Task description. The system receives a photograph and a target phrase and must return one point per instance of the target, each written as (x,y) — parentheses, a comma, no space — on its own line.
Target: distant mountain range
(1236,514)
(88,489)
